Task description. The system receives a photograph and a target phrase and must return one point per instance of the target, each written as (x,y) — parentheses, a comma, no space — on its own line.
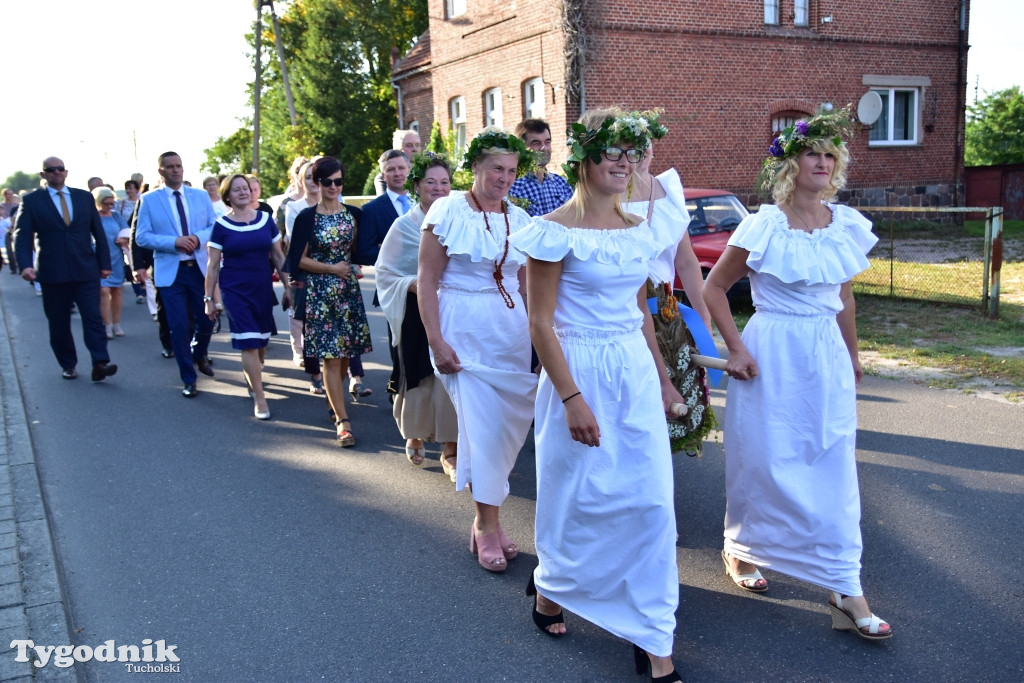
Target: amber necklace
(498,276)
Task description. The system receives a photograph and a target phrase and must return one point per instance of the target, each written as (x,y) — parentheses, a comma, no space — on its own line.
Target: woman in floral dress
(336,328)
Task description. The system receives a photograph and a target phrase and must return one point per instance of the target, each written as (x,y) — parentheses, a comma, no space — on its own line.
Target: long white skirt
(793,504)
(494,392)
(605,524)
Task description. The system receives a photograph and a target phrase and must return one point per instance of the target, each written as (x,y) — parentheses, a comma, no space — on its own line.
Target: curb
(32,603)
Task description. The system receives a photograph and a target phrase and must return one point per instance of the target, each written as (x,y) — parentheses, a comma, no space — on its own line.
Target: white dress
(494,392)
(793,503)
(668,209)
(605,524)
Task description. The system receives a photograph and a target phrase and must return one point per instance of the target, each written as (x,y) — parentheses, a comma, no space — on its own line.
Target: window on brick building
(898,123)
(455,7)
(801,12)
(492,108)
(415,127)
(533,98)
(771,11)
(457,112)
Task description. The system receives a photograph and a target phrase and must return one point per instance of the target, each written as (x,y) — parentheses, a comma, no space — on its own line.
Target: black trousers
(57,302)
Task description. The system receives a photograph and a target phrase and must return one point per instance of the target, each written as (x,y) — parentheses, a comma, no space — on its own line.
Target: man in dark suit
(380,213)
(175,221)
(73,257)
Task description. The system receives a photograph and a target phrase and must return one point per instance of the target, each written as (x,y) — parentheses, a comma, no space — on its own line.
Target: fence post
(997,259)
(988,259)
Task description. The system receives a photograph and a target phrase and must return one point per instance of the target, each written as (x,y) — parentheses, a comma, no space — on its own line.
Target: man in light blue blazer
(175,221)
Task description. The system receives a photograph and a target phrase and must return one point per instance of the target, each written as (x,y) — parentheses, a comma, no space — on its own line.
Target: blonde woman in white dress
(605,523)
(793,502)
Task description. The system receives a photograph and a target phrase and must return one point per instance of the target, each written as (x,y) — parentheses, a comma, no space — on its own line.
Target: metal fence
(917,258)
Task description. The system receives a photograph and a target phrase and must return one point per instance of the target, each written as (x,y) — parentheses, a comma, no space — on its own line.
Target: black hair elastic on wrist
(572,396)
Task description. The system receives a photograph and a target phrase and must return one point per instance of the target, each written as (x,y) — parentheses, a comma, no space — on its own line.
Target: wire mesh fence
(922,254)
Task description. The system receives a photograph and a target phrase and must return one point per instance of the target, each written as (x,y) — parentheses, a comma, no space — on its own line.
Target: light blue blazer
(156,229)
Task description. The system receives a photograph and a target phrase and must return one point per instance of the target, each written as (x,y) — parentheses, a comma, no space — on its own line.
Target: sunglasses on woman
(327,182)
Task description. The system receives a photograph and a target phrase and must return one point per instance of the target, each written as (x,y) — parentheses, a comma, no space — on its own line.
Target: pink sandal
(508,548)
(488,550)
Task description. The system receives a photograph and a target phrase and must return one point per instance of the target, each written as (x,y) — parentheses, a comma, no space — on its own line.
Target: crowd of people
(502,318)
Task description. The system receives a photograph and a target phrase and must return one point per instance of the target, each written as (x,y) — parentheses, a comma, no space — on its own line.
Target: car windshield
(714,214)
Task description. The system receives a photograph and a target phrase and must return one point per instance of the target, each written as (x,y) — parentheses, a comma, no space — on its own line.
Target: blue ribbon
(694,323)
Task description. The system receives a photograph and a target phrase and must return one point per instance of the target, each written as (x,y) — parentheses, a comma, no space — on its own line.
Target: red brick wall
(498,45)
(720,74)
(418,102)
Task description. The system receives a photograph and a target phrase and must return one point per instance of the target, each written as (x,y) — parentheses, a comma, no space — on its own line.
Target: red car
(714,214)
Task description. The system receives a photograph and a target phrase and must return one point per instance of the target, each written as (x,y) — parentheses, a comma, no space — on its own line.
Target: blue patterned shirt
(543,197)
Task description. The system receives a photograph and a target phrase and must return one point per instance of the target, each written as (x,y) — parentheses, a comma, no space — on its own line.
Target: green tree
(338,54)
(19,180)
(230,154)
(995,129)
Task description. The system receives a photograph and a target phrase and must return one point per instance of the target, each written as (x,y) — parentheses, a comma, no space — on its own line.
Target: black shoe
(70,373)
(543,620)
(190,390)
(167,353)
(205,366)
(642,662)
(101,371)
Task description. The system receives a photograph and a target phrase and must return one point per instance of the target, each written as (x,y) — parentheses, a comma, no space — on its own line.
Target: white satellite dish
(869,108)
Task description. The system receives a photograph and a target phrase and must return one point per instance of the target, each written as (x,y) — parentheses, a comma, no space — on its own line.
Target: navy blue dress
(245,278)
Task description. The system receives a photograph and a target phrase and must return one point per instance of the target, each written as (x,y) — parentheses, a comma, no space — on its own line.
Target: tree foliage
(338,54)
(995,129)
(19,180)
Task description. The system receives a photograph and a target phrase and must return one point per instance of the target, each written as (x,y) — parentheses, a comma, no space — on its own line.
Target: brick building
(728,74)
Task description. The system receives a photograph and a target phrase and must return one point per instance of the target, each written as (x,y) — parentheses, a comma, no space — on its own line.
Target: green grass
(924,229)
(961,339)
(958,283)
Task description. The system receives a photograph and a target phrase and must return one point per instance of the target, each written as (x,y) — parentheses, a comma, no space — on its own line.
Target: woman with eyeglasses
(112,287)
(335,321)
(605,523)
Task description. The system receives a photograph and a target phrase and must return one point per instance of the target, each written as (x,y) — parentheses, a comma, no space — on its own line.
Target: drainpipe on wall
(961,104)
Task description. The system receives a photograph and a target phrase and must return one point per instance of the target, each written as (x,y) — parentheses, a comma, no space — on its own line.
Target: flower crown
(586,143)
(493,137)
(655,128)
(418,169)
(824,125)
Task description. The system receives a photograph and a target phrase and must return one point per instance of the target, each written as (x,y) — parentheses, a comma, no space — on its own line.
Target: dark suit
(378,215)
(69,265)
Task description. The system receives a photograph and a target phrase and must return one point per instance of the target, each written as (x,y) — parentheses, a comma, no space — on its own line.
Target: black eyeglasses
(632,155)
(327,182)
(53,169)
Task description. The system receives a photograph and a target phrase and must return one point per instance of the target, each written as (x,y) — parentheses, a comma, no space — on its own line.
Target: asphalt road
(264,552)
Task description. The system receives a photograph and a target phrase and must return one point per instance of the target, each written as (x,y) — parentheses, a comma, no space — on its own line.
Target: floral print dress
(336,325)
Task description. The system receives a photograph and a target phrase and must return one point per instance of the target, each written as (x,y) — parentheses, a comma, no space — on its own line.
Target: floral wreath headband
(635,127)
(831,126)
(418,168)
(492,137)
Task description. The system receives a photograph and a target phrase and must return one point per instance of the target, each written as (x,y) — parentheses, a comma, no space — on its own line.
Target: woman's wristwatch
(207,298)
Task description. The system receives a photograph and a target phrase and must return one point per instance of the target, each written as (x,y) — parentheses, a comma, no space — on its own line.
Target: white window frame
(492,108)
(414,126)
(455,8)
(771,12)
(457,114)
(888,120)
(533,98)
(801,12)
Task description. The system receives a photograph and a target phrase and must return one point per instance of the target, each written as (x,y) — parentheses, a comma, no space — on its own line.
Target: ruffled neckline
(546,240)
(461,230)
(829,255)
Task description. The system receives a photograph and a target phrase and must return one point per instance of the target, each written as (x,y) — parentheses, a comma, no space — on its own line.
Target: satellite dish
(869,108)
